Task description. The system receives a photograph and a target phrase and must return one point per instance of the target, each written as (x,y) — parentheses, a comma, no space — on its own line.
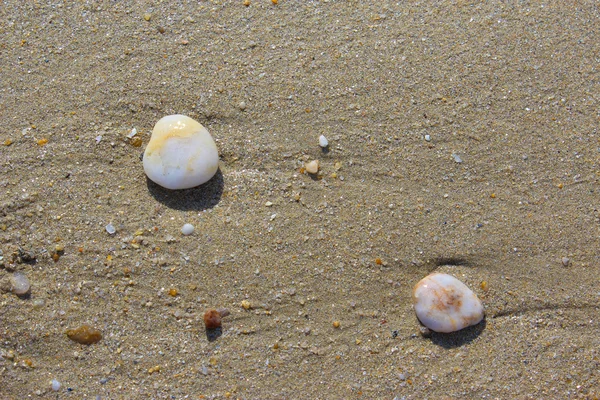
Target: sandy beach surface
(463,138)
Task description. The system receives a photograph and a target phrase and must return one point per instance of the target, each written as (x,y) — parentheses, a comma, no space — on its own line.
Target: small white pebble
(110,229)
(323,142)
(132,133)
(268,204)
(428,138)
(187,229)
(55,385)
(456,158)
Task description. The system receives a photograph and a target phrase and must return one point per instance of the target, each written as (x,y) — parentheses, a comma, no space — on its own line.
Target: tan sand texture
(463,138)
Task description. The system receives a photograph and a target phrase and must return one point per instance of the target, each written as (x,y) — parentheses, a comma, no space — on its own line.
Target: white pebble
(181,153)
(110,229)
(427,138)
(20,284)
(445,304)
(323,142)
(187,229)
(55,385)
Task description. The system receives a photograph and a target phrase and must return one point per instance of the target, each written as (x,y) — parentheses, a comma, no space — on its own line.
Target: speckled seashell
(445,304)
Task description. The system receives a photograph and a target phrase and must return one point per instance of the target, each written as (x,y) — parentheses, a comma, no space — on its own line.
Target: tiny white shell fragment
(110,229)
(323,142)
(187,229)
(445,304)
(181,154)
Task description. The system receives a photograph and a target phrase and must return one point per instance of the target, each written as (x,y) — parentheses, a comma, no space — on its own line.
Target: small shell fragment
(110,229)
(445,304)
(85,334)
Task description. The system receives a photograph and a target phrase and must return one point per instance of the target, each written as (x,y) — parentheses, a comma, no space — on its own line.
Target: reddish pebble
(212,319)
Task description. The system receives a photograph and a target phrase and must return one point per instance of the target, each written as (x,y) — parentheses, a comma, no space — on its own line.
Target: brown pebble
(85,334)
(212,319)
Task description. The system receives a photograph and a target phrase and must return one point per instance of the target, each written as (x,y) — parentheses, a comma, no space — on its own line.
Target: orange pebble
(85,334)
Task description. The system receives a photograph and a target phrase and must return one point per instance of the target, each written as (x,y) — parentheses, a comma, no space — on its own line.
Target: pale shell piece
(312,167)
(445,304)
(181,153)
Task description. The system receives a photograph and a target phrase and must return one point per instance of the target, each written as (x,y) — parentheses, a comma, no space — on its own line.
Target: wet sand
(512,92)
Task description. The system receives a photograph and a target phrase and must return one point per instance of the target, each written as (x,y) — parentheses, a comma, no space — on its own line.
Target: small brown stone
(85,334)
(212,319)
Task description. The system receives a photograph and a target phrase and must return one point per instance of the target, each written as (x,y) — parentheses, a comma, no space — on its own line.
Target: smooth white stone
(187,229)
(445,304)
(181,153)
(323,142)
